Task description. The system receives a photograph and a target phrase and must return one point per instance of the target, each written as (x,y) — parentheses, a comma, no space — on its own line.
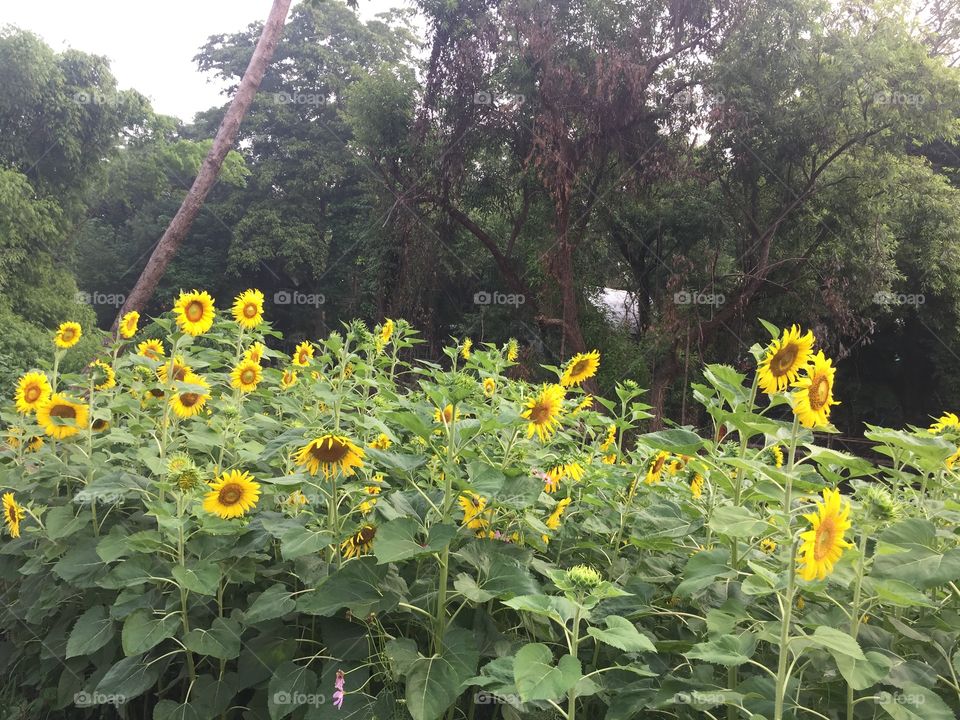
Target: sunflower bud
(584,576)
(880,504)
(183,472)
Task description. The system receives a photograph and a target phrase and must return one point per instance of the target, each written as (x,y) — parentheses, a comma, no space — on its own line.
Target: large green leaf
(91,631)
(537,678)
(432,686)
(291,685)
(361,585)
(737,522)
(201,577)
(276,601)
(915,702)
(142,630)
(622,634)
(221,640)
(129,678)
(726,650)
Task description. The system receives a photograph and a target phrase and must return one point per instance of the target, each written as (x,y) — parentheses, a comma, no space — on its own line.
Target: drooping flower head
(338,693)
(61,417)
(13,513)
(813,397)
(329,454)
(947,421)
(105,374)
(152,349)
(466,349)
(194,312)
(360,543)
(233,495)
(784,359)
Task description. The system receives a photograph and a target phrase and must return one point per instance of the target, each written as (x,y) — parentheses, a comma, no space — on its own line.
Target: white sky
(150,44)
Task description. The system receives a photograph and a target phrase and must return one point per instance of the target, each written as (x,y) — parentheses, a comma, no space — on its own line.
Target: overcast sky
(150,44)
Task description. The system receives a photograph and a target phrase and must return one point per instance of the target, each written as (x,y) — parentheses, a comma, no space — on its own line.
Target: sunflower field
(200,527)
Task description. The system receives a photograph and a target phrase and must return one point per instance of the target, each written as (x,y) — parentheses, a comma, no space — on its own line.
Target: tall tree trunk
(179,226)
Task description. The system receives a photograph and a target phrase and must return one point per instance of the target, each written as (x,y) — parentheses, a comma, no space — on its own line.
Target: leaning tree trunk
(175,233)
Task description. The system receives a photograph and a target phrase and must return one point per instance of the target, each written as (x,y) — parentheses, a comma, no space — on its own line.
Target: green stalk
(782,675)
(441,612)
(574,644)
(855,611)
(184,614)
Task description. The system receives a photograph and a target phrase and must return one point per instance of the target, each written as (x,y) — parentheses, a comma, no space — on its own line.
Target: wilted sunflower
(177,368)
(330,453)
(246,376)
(380,442)
(13,513)
(189,402)
(194,312)
(254,353)
(68,335)
(360,543)
(489,386)
(232,495)
(582,366)
(303,354)
(784,359)
(248,309)
(128,324)
(543,412)
(656,467)
(947,421)
(109,377)
(474,508)
(151,349)
(466,349)
(823,543)
(814,395)
(61,417)
(33,389)
(289,379)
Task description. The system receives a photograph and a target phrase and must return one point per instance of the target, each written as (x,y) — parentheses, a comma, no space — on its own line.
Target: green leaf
(91,631)
(402,653)
(737,522)
(622,634)
(915,702)
(202,578)
(396,540)
(432,686)
(552,606)
(467,586)
(861,674)
(836,642)
(276,601)
(221,641)
(170,710)
(726,650)
(897,593)
(299,541)
(678,441)
(142,630)
(289,683)
(129,678)
(537,678)
(360,585)
(63,521)
(702,569)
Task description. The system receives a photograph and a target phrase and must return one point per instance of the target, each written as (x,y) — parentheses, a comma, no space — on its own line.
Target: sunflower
(466,349)
(610,439)
(13,513)
(696,486)
(109,376)
(61,417)
(445,416)
(584,404)
(947,421)
(330,453)
(248,309)
(553,521)
(360,543)
(386,331)
(581,367)
(656,467)
(187,403)
(489,387)
(303,354)
(232,495)
(814,395)
(128,324)
(823,543)
(513,350)
(543,412)
(151,349)
(176,368)
(68,335)
(380,442)
(255,353)
(194,312)
(572,470)
(246,376)
(289,379)
(775,455)
(474,510)
(33,389)
(100,424)
(783,360)
(951,461)
(15,438)
(768,546)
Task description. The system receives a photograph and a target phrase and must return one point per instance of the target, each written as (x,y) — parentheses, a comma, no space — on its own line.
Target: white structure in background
(618,306)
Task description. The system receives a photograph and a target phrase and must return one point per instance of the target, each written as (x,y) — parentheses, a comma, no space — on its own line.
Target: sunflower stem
(855,612)
(441,612)
(787,602)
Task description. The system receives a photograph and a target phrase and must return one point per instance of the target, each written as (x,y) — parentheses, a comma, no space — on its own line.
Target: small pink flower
(338,690)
